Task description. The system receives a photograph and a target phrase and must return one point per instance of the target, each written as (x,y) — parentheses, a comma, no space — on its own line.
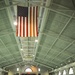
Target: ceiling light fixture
(36,40)
(21,49)
(15,23)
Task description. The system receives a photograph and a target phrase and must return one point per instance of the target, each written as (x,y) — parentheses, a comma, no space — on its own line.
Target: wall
(0,73)
(67,71)
(45,73)
(10,73)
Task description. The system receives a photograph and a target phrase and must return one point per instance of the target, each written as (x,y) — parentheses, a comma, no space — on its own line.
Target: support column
(45,73)
(0,73)
(67,71)
(56,73)
(74,70)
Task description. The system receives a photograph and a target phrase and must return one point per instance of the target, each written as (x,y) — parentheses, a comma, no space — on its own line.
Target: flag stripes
(36,21)
(27,24)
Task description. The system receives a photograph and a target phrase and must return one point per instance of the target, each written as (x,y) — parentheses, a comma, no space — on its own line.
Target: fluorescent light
(17,69)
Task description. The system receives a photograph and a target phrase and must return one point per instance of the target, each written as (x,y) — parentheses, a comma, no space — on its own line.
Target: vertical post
(74,70)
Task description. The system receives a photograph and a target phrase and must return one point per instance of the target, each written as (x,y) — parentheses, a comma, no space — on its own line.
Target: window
(59,73)
(17,69)
(28,70)
(64,72)
(71,71)
(39,69)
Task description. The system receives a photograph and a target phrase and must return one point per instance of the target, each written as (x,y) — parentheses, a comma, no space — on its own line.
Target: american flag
(27,24)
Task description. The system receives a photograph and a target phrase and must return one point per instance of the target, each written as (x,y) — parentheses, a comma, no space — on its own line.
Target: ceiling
(56,39)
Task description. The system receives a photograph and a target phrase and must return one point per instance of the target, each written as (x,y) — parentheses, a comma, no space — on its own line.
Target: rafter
(59,35)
